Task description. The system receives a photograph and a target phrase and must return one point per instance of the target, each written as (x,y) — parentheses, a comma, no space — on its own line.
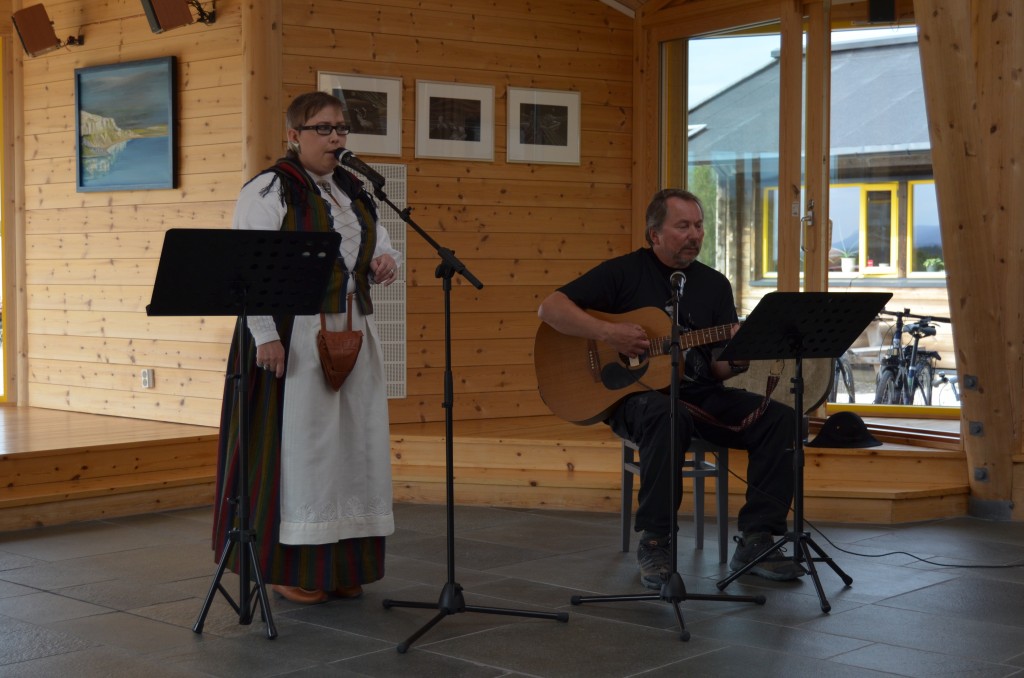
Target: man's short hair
(658,208)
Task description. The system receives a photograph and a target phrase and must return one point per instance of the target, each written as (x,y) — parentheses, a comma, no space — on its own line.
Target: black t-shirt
(639,279)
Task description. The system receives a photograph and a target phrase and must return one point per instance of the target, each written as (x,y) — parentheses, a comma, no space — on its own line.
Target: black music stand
(673,590)
(802,325)
(206,272)
(451,601)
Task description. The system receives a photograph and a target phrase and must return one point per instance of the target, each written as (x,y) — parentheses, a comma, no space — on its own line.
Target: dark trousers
(644,419)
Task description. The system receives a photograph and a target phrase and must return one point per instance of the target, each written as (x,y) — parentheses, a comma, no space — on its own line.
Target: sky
(718,63)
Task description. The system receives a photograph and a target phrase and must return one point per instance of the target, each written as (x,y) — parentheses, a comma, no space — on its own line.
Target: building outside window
(885,232)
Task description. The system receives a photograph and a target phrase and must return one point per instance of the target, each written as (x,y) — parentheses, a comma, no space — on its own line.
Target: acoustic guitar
(582,380)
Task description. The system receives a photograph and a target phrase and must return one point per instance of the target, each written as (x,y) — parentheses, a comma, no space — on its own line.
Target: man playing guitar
(640,279)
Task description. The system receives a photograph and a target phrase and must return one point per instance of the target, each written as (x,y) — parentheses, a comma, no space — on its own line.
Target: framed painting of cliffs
(124,126)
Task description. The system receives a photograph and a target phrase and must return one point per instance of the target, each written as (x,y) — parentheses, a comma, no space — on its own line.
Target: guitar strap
(772,381)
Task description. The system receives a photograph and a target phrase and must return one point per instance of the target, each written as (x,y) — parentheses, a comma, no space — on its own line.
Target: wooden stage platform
(62,466)
(58,467)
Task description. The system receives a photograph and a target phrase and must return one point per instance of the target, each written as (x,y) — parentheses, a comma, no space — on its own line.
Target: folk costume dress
(319,460)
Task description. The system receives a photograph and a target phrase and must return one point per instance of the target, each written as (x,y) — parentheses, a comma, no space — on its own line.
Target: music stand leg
(451,600)
(248,563)
(216,586)
(802,547)
(801,540)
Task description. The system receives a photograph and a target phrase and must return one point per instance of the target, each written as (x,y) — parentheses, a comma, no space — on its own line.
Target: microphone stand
(451,600)
(673,590)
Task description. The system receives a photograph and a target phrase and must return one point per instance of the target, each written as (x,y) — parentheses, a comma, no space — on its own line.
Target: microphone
(349,160)
(677,279)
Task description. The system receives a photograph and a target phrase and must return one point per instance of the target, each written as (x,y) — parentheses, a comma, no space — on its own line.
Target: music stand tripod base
(800,325)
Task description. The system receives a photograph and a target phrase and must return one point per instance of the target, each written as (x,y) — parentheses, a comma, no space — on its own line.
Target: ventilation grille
(389,302)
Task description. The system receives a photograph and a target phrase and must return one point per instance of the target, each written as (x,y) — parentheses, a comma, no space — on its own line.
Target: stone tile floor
(119,598)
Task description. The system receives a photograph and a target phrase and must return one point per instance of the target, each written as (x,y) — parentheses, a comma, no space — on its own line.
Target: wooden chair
(697,466)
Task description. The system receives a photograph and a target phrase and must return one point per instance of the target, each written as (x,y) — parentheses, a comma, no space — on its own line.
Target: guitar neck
(708,335)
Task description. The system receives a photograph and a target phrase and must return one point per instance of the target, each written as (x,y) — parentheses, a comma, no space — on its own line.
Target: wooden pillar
(646,146)
(816,236)
(790,124)
(262,107)
(972,54)
(674,113)
(15,331)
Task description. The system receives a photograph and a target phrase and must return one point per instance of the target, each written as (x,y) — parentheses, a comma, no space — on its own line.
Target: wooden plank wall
(90,258)
(521,229)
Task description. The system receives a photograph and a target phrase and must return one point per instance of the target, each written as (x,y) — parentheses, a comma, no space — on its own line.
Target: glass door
(746,109)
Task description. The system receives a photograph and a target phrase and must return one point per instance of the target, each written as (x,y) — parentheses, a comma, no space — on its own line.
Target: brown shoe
(349,591)
(297,594)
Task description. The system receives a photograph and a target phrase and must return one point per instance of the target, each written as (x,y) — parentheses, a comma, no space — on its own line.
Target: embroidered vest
(307,210)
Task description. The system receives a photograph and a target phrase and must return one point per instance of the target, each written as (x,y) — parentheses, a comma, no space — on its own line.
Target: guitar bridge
(593,360)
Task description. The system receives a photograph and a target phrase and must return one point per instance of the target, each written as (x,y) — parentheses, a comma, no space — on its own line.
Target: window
(880,230)
(864,230)
(729,171)
(845,210)
(925,239)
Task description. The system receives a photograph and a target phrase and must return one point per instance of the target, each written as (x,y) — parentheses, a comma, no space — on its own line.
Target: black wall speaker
(882,11)
(164,15)
(35,30)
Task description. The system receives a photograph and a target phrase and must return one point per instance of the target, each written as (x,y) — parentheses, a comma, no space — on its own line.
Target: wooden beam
(674,108)
(790,123)
(971,86)
(700,17)
(16,386)
(262,108)
(625,8)
(816,240)
(999,48)
(646,149)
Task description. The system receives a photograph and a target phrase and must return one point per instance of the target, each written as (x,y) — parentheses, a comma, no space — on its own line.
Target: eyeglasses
(325,130)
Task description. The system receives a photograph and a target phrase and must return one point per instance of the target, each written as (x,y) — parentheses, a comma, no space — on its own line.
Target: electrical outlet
(147,377)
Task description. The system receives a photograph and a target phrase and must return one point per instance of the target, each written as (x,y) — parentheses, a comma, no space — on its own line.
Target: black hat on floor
(844,429)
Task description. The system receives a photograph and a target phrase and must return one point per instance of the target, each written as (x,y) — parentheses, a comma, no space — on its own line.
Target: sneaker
(775,566)
(654,560)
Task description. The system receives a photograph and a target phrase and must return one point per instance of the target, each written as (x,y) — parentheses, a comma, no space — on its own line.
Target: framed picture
(124,126)
(373,109)
(454,121)
(543,126)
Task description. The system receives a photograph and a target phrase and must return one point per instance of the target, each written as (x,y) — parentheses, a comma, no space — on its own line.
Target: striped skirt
(326,567)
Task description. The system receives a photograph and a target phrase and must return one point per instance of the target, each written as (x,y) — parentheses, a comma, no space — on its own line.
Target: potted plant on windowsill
(848,261)
(933,265)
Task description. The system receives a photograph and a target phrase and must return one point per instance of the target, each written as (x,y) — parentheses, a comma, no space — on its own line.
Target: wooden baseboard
(110,505)
(537,463)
